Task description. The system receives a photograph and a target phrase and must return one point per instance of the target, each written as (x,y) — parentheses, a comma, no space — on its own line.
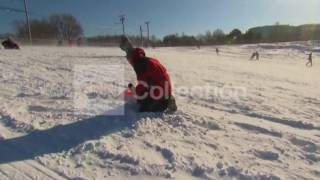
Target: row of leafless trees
(264,34)
(63,27)
(66,28)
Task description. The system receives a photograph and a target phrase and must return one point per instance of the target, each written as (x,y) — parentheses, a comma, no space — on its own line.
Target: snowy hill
(259,119)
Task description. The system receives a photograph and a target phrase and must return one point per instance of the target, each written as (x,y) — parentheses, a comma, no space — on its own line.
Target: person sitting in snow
(309,63)
(10,44)
(154,90)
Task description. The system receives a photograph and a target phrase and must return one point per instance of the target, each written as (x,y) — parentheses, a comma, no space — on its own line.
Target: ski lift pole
(141,36)
(147,23)
(27,20)
(122,20)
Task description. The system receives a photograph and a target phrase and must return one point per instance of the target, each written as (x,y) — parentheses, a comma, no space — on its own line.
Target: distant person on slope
(154,90)
(255,55)
(309,63)
(217,51)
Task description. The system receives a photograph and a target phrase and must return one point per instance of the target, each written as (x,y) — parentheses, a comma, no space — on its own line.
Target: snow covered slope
(271,130)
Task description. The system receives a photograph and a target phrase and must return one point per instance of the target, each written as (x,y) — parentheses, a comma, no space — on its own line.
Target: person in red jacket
(154,90)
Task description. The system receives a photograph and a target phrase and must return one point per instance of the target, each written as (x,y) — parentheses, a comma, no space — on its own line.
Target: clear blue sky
(169,16)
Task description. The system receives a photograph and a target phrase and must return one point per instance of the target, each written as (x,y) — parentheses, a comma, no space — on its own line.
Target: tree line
(265,34)
(65,27)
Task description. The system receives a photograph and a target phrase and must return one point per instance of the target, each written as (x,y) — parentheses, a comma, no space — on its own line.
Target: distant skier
(154,90)
(255,56)
(79,41)
(10,44)
(217,51)
(309,63)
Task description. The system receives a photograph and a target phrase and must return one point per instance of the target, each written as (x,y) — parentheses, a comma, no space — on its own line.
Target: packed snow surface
(269,129)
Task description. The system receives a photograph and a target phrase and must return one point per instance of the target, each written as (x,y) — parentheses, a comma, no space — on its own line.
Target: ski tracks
(23,170)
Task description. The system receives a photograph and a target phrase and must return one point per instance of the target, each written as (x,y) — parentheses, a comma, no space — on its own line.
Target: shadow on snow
(63,137)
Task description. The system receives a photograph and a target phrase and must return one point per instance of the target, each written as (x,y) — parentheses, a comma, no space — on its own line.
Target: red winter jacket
(153,79)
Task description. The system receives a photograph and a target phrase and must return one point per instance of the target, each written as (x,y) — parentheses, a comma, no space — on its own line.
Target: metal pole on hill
(122,19)
(147,23)
(27,20)
(141,36)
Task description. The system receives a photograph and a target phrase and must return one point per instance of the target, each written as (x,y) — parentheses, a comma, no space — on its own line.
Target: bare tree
(62,27)
(67,26)
(41,29)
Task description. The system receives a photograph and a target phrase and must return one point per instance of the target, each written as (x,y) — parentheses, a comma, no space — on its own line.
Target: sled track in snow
(297,124)
(29,170)
(22,170)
